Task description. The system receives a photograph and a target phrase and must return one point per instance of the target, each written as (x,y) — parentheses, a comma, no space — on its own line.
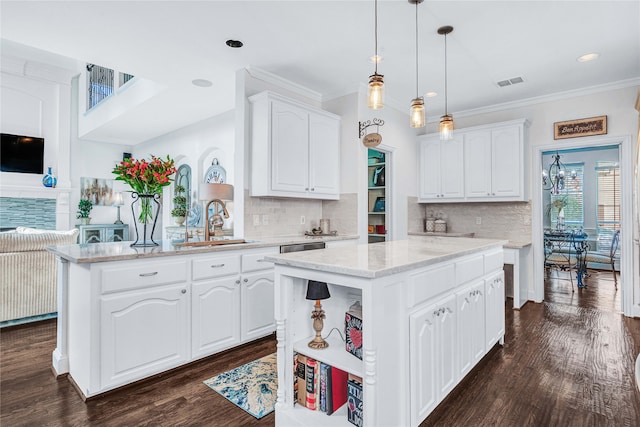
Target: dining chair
(608,258)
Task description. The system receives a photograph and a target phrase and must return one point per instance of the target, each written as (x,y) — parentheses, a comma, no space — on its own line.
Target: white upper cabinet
(440,169)
(295,149)
(481,164)
(494,163)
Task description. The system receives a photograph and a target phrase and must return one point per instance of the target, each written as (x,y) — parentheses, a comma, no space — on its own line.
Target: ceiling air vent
(509,82)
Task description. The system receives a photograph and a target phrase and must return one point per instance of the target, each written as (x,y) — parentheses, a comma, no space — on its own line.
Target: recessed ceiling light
(430,94)
(588,57)
(376,59)
(234,43)
(201,83)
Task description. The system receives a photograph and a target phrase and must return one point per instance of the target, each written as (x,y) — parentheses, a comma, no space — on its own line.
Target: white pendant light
(446,121)
(416,111)
(375,97)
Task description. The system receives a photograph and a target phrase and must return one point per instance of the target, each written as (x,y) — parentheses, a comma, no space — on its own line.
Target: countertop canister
(440,226)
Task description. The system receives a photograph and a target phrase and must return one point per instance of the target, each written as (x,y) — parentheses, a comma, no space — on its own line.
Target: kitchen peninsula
(432,307)
(126,313)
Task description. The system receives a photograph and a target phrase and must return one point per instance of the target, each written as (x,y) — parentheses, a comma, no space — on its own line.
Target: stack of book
(319,386)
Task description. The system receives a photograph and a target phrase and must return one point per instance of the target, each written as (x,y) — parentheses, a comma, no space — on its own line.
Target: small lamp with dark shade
(317,291)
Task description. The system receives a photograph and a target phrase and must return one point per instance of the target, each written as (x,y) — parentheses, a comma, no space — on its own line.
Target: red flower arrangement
(146,178)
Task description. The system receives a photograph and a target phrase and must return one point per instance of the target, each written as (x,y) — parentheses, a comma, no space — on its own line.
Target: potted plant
(179,211)
(84,209)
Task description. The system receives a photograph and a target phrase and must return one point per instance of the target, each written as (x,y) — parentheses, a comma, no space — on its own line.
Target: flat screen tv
(22,154)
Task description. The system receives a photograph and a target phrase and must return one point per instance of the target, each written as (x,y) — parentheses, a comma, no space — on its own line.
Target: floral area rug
(252,387)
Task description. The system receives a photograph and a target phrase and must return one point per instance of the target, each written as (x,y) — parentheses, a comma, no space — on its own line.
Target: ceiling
(325,46)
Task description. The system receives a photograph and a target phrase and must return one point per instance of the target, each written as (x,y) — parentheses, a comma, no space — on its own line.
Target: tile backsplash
(502,220)
(282,216)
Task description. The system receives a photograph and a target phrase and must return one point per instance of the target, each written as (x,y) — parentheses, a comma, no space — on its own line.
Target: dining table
(571,243)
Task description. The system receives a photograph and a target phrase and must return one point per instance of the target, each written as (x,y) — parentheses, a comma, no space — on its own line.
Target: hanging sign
(372,140)
(581,127)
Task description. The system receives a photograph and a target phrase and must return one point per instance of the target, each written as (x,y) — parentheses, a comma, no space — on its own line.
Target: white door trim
(627,287)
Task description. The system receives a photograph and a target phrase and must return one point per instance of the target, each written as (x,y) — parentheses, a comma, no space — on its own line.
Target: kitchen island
(125,313)
(432,307)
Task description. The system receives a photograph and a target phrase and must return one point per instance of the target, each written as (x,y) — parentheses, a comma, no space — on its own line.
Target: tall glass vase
(145,209)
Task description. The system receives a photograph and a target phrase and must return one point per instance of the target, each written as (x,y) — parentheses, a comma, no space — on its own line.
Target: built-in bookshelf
(377,194)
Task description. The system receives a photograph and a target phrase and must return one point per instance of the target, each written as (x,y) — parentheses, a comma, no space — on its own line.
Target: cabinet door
(471,334)
(117,234)
(506,173)
(143,333)
(289,148)
(429,169)
(215,308)
(477,160)
(452,169)
(324,157)
(494,310)
(257,304)
(92,235)
(423,355)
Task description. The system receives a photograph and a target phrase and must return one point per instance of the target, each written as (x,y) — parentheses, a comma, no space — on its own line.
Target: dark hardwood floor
(566,362)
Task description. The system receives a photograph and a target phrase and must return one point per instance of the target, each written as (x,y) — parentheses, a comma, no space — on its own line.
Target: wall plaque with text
(581,127)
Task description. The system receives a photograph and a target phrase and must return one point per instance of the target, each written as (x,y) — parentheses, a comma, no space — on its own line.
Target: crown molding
(549,98)
(265,76)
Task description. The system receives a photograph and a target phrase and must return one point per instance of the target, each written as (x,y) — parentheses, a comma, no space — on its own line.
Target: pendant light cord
(416,49)
(446,108)
(376,34)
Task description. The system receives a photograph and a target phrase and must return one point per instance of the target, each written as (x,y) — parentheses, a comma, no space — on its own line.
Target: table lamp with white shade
(118,201)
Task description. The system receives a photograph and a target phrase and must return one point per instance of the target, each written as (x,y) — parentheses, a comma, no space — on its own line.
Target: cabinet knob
(238,282)
(217,266)
(306,189)
(184,291)
(488,194)
(493,194)
(313,189)
(245,280)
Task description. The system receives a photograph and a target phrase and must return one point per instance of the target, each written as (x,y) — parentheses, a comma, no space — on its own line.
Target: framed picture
(379,204)
(98,191)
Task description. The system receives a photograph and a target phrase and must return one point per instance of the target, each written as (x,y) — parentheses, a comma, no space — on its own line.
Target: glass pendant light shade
(446,127)
(375,98)
(416,113)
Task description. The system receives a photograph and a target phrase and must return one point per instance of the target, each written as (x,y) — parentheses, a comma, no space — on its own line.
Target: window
(570,198)
(608,202)
(101,83)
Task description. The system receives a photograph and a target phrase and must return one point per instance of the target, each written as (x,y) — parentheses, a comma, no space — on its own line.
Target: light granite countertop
(117,251)
(383,259)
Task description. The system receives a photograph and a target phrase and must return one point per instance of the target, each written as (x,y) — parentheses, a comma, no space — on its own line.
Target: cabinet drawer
(255,261)
(215,266)
(427,284)
(142,274)
(494,261)
(469,269)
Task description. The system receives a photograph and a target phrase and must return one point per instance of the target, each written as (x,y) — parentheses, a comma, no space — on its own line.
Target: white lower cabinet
(471,327)
(257,318)
(136,318)
(433,348)
(214,315)
(143,332)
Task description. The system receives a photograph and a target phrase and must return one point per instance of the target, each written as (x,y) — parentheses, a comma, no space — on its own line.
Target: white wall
(195,145)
